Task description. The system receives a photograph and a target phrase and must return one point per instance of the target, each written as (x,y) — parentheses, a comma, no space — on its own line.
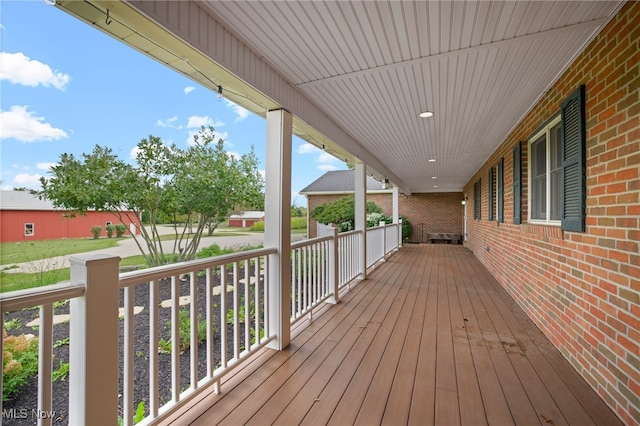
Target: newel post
(383,224)
(334,266)
(93,341)
(399,233)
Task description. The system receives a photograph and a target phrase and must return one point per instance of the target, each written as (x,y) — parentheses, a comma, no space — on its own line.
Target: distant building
(245,219)
(24,217)
(431,212)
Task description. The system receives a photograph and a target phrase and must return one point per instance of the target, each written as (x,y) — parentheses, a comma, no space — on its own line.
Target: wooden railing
(158,313)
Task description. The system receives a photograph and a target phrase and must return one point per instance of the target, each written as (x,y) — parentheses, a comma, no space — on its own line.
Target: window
(545,174)
(557,171)
(28,229)
(107,223)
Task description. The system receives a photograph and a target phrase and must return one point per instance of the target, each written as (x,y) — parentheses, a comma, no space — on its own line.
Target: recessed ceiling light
(432,160)
(426,114)
(434,177)
(435,186)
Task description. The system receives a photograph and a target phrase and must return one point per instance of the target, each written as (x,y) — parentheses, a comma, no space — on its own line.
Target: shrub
(258,226)
(110,230)
(120,230)
(211,251)
(96,231)
(298,223)
(19,361)
(184,332)
(406,228)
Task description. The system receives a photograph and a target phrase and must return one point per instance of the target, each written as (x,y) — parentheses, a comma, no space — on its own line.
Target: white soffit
(358,73)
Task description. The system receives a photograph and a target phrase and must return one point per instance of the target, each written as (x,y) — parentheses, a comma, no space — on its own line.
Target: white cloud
(189,89)
(169,122)
(307,148)
(20,69)
(25,126)
(134,152)
(241,113)
(25,179)
(7,187)
(325,157)
(45,166)
(196,122)
(327,167)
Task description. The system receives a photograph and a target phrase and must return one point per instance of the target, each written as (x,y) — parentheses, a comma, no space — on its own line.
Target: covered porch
(429,338)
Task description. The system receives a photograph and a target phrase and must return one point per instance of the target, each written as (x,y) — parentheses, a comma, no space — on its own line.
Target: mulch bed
(26,397)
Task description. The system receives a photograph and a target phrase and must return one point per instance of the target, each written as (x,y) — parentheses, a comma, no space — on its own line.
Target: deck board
(429,338)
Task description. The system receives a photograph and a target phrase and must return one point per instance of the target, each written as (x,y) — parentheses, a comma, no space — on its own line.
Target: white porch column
(93,341)
(360,187)
(277,228)
(396,206)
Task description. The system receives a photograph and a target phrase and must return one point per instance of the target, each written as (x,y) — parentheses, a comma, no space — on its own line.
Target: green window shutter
(517,184)
(490,197)
(573,161)
(478,200)
(500,194)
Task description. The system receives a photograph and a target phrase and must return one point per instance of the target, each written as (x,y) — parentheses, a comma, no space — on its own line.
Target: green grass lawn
(27,251)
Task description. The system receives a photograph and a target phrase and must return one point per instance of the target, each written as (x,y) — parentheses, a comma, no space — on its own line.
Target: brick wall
(438,212)
(583,289)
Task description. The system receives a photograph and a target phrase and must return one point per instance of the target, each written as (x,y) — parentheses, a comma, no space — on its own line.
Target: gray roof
(22,200)
(340,181)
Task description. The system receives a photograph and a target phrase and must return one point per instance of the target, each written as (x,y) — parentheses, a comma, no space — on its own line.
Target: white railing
(375,244)
(227,298)
(313,277)
(44,298)
(392,237)
(222,302)
(348,247)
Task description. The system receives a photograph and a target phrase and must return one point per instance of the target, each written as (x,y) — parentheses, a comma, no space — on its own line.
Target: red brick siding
(583,289)
(439,212)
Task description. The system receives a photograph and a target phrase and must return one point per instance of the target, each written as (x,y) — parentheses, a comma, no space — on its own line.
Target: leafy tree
(201,185)
(341,212)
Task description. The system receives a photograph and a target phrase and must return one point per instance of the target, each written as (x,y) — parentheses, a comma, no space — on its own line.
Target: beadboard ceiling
(372,66)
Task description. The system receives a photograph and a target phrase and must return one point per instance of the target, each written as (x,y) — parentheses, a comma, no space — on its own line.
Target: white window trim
(33,229)
(544,131)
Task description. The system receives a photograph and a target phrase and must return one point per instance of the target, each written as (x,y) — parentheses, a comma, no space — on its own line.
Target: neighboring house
(24,217)
(245,219)
(427,212)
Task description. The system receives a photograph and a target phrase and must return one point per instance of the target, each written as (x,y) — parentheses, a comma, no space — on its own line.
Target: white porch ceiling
(370,67)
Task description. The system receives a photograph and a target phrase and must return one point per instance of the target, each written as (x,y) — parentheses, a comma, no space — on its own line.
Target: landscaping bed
(18,409)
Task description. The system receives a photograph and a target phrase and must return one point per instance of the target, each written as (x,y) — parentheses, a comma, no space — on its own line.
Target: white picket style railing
(227,293)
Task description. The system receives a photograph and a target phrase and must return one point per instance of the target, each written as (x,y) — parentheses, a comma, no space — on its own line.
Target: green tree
(341,212)
(203,184)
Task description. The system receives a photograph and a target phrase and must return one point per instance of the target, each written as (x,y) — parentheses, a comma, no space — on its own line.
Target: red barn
(245,219)
(24,217)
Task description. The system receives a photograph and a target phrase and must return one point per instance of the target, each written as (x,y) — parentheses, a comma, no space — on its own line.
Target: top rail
(133,278)
(21,299)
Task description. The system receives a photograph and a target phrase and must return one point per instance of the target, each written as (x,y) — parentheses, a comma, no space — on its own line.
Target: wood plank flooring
(429,338)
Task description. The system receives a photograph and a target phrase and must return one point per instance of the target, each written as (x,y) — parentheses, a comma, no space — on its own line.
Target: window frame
(33,229)
(545,131)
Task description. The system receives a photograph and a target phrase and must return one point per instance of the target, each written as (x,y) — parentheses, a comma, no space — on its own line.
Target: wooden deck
(429,338)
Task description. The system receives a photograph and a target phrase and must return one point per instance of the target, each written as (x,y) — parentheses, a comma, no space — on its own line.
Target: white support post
(360,186)
(395,196)
(93,341)
(277,229)
(399,233)
(334,281)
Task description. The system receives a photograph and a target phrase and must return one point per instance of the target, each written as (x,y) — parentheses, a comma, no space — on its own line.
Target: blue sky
(65,87)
